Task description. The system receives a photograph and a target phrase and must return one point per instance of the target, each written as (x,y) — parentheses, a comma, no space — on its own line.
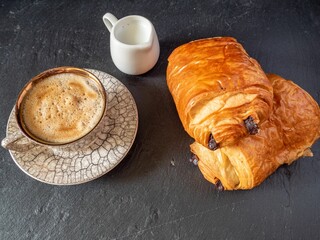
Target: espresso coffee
(62,108)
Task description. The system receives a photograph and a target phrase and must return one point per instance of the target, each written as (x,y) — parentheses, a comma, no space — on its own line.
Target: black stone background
(155,193)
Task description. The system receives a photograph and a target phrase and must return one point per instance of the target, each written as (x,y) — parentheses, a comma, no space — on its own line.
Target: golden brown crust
(297,116)
(293,127)
(216,86)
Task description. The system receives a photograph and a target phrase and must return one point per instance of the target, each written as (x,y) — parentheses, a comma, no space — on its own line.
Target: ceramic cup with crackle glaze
(134,44)
(61,109)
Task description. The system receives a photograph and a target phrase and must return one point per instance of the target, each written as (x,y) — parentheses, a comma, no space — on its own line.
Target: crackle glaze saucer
(111,146)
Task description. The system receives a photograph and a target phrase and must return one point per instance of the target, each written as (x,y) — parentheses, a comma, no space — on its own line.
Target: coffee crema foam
(62,108)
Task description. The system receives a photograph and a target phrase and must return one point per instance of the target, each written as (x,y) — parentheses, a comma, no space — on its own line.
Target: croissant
(293,127)
(221,94)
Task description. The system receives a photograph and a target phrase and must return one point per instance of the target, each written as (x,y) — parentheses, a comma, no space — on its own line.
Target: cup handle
(12,143)
(109,20)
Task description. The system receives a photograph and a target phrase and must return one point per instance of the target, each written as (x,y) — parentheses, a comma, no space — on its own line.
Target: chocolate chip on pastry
(219,186)
(212,144)
(215,85)
(251,126)
(194,159)
(293,127)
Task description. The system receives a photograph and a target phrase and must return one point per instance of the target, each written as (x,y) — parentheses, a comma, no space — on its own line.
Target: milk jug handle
(109,20)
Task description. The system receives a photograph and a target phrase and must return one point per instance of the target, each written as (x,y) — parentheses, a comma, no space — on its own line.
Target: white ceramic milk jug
(134,44)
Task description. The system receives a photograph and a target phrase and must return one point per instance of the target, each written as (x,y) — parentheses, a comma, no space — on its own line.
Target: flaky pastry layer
(216,86)
(293,127)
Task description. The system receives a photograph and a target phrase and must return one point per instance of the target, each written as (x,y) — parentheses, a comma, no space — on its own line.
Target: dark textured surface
(156,193)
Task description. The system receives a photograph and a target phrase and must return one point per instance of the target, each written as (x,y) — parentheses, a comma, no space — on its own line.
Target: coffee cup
(59,109)
(134,44)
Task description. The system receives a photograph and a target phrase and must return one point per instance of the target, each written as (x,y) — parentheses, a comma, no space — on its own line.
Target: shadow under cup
(77,81)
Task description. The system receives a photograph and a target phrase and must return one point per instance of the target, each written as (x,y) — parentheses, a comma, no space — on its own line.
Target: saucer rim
(93,71)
